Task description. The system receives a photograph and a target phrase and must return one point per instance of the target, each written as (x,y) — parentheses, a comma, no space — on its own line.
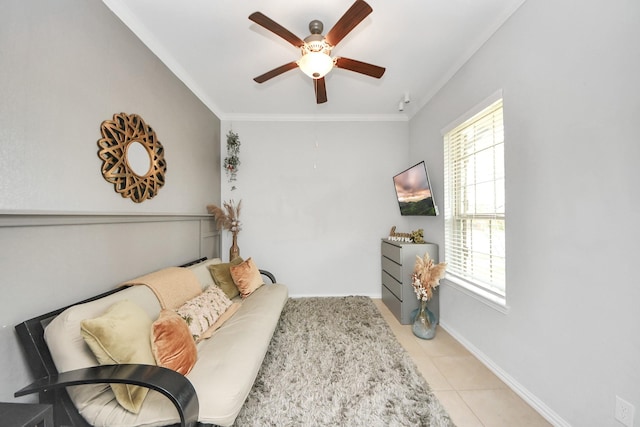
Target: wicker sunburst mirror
(132,157)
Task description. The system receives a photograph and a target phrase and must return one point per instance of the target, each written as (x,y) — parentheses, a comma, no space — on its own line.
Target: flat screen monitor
(413,190)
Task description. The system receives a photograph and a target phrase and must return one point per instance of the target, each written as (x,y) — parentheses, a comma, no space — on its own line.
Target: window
(475,201)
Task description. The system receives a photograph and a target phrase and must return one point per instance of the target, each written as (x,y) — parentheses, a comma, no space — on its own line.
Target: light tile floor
(472,395)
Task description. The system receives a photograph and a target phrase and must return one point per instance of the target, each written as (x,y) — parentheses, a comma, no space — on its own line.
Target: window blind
(475,200)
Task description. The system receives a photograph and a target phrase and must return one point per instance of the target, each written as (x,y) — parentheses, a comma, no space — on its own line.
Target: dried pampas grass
(426,276)
(227,217)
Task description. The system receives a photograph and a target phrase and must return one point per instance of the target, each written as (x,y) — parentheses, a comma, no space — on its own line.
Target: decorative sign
(416,236)
(399,237)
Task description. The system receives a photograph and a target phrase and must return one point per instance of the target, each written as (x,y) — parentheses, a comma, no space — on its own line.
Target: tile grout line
(424,353)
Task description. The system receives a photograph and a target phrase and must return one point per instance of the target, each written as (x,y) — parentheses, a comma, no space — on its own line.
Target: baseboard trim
(537,404)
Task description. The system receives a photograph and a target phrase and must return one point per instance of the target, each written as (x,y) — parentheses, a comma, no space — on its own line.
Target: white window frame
(461,278)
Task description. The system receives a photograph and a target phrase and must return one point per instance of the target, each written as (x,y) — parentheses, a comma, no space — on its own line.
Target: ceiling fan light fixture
(316,64)
(315,50)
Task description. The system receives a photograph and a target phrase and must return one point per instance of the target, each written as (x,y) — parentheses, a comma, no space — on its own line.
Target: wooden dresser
(397,261)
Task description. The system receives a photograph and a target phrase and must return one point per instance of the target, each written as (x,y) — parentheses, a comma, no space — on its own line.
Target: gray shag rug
(335,362)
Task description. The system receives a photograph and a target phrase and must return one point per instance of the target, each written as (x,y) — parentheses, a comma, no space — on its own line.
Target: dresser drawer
(392,252)
(394,270)
(393,303)
(392,284)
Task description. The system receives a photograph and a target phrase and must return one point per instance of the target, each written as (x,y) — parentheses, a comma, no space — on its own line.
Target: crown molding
(315,118)
(466,56)
(123,13)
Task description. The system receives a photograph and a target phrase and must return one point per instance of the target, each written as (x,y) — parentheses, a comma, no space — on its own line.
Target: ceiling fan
(316,60)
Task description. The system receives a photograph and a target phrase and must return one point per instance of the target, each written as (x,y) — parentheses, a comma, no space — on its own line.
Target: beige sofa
(226,368)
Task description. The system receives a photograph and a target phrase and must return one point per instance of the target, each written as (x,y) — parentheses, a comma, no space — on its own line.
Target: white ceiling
(214,48)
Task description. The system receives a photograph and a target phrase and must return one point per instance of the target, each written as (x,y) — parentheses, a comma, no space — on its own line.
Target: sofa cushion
(246,277)
(172,285)
(201,271)
(202,312)
(232,356)
(121,335)
(68,349)
(221,275)
(172,344)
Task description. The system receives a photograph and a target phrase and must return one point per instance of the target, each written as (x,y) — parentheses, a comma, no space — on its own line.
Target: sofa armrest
(269,275)
(170,383)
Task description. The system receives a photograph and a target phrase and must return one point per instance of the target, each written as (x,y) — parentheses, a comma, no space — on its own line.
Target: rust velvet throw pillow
(247,277)
(172,344)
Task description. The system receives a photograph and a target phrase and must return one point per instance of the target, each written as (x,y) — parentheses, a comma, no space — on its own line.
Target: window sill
(498,303)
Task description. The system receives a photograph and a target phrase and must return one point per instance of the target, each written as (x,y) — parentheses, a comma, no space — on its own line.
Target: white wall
(67,66)
(316,199)
(569,71)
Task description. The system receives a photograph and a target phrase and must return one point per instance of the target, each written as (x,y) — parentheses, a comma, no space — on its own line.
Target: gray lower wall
(68,65)
(47,266)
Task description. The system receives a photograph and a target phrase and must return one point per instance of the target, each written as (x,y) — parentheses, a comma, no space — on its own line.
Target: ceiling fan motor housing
(316,43)
(316,27)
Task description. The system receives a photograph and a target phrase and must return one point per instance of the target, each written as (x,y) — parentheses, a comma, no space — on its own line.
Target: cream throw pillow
(246,277)
(121,335)
(205,313)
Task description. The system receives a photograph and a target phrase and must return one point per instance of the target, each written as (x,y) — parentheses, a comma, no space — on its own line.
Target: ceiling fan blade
(360,67)
(352,17)
(321,90)
(276,28)
(276,72)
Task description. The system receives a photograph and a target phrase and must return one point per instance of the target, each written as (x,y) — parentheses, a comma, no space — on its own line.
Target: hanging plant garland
(232,161)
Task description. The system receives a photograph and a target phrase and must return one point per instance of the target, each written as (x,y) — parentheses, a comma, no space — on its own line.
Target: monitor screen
(413,190)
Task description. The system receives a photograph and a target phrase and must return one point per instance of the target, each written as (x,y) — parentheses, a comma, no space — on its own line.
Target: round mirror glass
(138,158)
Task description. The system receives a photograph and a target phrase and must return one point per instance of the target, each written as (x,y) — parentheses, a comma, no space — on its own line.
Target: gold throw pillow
(121,335)
(222,277)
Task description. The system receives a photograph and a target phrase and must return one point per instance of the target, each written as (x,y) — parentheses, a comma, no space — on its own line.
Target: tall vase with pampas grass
(425,279)
(228,217)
